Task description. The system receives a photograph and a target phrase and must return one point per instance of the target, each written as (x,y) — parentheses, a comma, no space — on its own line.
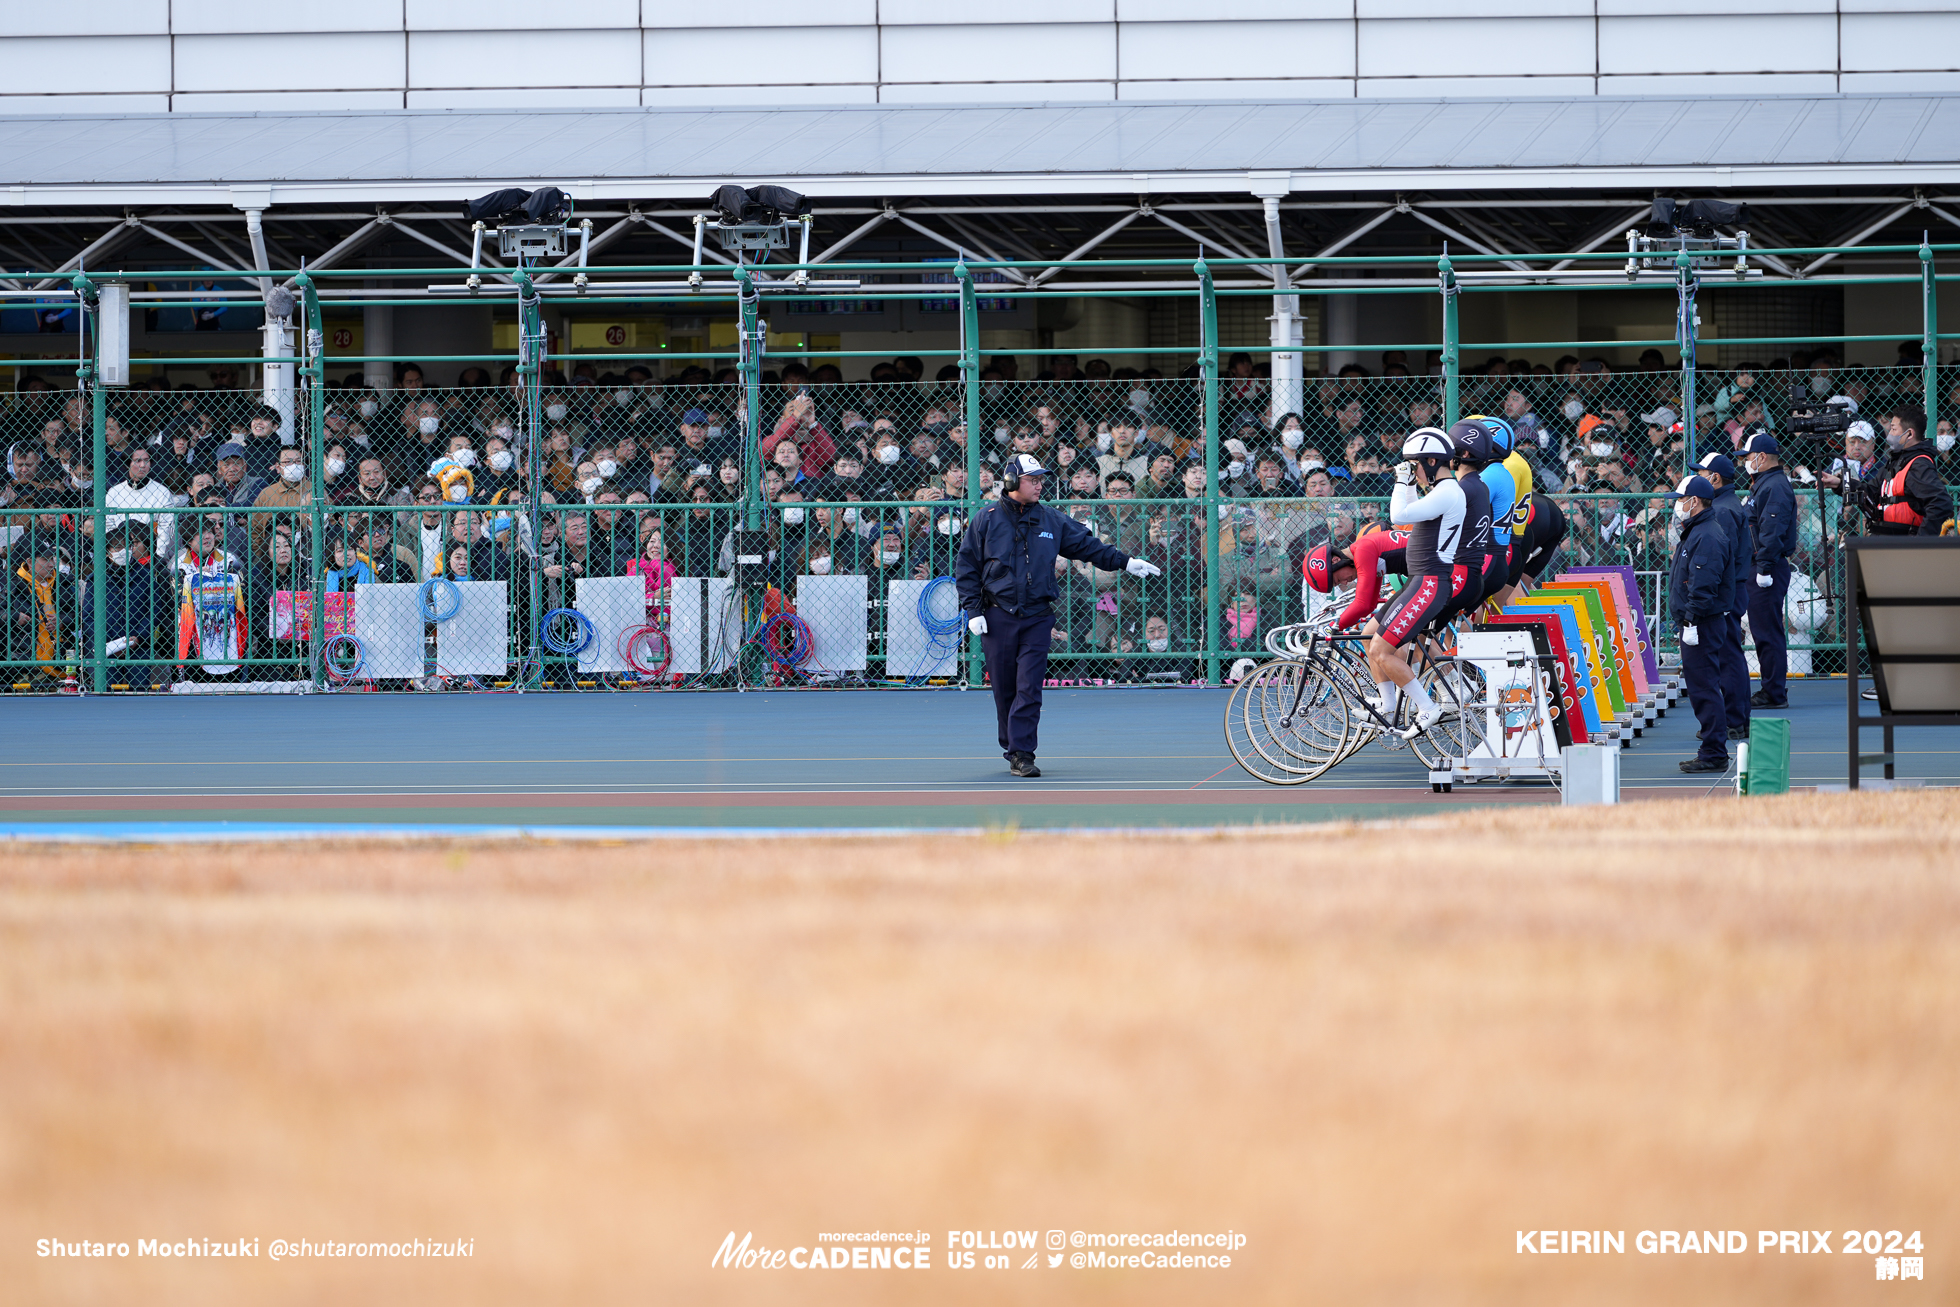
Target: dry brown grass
(1379,1052)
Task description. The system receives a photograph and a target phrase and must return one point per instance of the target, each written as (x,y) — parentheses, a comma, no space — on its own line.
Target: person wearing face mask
(499,470)
(1772,539)
(1005,575)
(1700,588)
(1161,664)
(1719,472)
(141,613)
(137,497)
(293,490)
(1910,497)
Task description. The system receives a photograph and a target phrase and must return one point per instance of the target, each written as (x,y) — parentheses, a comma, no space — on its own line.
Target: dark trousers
(1016,650)
(1703,669)
(1735,669)
(1766,624)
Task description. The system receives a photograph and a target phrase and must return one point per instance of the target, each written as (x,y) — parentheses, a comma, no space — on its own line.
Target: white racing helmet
(1428,445)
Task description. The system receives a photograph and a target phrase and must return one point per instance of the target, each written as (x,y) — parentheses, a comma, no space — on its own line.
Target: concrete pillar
(1340,325)
(377,338)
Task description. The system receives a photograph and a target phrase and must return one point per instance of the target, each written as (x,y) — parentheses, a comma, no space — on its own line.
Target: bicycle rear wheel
(1459,689)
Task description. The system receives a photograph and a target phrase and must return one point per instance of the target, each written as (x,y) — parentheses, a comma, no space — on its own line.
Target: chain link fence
(394,546)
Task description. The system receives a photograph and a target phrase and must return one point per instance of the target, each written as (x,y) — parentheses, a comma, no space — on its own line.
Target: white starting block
(1517,739)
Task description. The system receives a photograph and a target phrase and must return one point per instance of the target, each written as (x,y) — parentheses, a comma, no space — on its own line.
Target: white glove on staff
(977,625)
(1690,636)
(1764,580)
(1138,567)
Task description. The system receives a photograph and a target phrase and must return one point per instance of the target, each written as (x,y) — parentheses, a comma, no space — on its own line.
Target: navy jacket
(1772,519)
(1007,557)
(1734,518)
(1699,588)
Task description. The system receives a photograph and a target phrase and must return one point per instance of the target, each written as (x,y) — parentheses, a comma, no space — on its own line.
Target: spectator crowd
(211,521)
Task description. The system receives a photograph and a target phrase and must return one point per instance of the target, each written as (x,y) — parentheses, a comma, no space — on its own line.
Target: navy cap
(1698,487)
(1762,443)
(231,449)
(695,417)
(1719,464)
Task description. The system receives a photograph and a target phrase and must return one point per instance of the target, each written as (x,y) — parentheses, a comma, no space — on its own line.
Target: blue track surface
(839,760)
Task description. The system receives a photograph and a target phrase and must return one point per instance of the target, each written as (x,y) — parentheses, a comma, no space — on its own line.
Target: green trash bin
(1769,757)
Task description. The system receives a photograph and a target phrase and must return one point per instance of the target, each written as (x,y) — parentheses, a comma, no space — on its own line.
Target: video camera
(1819,421)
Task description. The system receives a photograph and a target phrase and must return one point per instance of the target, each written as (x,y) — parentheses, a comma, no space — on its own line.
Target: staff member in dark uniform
(1719,472)
(1910,499)
(1699,591)
(1006,579)
(1772,539)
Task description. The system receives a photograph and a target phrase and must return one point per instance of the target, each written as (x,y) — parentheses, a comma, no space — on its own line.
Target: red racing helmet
(1320,564)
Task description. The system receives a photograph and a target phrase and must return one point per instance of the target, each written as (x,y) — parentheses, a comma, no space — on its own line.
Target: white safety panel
(909,651)
(697,639)
(614,605)
(388,622)
(835,609)
(476,641)
(1518,724)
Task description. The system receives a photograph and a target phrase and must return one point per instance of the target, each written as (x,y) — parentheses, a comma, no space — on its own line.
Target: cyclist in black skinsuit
(1429,500)
(1532,550)
(1470,449)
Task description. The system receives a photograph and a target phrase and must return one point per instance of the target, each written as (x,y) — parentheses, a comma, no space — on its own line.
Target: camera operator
(1909,498)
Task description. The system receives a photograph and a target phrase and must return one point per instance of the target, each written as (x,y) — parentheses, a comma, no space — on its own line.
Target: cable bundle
(801,640)
(342,658)
(567,631)
(943,634)
(441,600)
(646,650)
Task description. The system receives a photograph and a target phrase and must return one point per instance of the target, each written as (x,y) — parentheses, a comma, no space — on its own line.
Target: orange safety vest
(1892,497)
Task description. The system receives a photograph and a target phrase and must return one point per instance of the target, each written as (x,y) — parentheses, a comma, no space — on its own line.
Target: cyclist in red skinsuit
(1376,553)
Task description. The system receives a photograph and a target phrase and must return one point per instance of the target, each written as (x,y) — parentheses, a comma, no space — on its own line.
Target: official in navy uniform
(1006,578)
(1699,592)
(1720,473)
(1772,539)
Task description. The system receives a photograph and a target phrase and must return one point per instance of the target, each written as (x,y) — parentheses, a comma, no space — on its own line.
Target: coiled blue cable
(441,600)
(801,639)
(942,633)
(555,638)
(334,650)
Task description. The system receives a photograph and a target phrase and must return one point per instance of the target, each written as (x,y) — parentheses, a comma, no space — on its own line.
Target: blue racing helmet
(1502,437)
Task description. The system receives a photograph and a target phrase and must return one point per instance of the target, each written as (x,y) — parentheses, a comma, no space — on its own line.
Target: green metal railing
(1204,414)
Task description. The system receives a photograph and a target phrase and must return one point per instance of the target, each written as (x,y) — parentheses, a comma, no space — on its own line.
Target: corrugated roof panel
(926,140)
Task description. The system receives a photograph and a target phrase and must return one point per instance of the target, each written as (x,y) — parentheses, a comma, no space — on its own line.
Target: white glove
(1234,470)
(1764,580)
(1405,473)
(1236,448)
(1138,567)
(977,625)
(1688,634)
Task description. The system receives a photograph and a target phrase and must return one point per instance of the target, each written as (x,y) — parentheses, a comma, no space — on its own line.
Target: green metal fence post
(970,397)
(531,345)
(1686,322)
(1452,351)
(1208,371)
(755,337)
(312,375)
(1929,360)
(87,380)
